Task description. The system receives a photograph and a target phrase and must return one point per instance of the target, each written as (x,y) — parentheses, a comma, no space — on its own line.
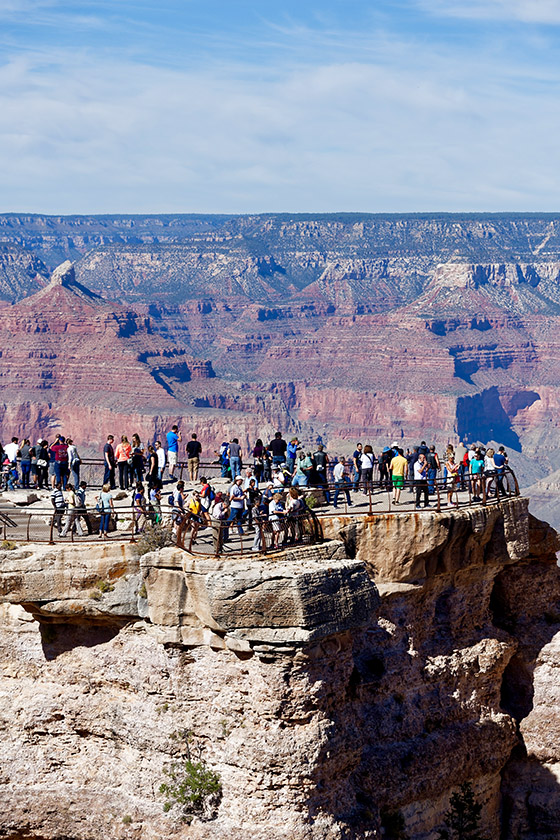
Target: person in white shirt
(340,474)
(11,450)
(160,452)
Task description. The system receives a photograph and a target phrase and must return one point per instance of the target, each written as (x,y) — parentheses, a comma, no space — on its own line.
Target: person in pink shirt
(123,453)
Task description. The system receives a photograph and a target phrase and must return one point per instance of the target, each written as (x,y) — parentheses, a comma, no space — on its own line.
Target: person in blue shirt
(500,462)
(173,438)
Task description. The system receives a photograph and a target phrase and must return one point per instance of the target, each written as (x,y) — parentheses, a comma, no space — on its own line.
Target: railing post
(132,527)
(438,505)
(51,538)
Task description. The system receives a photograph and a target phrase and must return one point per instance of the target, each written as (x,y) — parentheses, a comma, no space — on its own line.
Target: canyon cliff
(338,691)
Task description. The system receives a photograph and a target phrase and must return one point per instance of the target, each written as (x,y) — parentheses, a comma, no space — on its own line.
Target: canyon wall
(345,327)
(338,690)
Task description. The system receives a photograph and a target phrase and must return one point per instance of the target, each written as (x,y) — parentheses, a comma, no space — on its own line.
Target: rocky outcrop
(336,689)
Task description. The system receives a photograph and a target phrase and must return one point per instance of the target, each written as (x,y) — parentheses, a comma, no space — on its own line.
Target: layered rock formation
(337,690)
(346,327)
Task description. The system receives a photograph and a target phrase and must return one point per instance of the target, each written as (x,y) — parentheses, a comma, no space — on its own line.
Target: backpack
(171,500)
(207,492)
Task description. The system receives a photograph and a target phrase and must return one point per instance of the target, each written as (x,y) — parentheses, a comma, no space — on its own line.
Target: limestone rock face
(332,694)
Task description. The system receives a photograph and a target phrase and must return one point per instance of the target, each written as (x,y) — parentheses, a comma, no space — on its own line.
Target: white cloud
(528,11)
(417,128)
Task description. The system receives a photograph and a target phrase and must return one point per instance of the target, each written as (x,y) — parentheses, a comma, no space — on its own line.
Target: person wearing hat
(384,461)
(219,513)
(275,513)
(236,503)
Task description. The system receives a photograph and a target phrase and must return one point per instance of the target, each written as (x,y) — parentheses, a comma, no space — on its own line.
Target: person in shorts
(173,438)
(398,466)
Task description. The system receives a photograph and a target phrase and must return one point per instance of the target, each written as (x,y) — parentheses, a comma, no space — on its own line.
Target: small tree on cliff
(463,818)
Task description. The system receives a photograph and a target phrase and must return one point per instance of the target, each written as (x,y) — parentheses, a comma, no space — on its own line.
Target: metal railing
(204,535)
(213,537)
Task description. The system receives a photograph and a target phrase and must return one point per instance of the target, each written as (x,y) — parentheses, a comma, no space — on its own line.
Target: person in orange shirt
(123,453)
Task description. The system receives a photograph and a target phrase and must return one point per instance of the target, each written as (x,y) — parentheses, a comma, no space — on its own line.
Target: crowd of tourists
(264,483)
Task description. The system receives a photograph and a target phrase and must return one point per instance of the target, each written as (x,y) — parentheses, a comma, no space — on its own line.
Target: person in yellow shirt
(398,468)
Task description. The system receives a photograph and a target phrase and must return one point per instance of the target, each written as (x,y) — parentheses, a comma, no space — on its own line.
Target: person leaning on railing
(218,513)
(105,507)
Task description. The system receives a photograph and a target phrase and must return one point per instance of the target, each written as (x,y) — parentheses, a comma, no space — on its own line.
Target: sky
(239,106)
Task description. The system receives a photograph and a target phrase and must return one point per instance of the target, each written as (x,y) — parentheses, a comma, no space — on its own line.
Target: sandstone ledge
(325,693)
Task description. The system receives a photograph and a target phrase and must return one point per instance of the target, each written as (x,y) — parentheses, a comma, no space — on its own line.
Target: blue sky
(244,106)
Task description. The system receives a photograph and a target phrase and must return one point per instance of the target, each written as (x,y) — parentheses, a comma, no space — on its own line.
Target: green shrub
(463,817)
(155,536)
(191,785)
(8,545)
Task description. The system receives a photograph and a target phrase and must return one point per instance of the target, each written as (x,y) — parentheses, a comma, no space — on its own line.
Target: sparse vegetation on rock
(155,536)
(463,818)
(192,786)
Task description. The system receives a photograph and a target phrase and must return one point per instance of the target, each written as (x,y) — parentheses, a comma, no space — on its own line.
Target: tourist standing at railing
(25,463)
(321,462)
(194,450)
(81,506)
(152,467)
(357,463)
(291,454)
(260,517)
(234,454)
(139,508)
(452,468)
(236,503)
(154,502)
(258,460)
(368,461)
(59,504)
(302,470)
(398,467)
(11,450)
(60,450)
(432,459)
(460,453)
(384,461)
(43,465)
(500,462)
(421,480)
(109,462)
(74,462)
(137,468)
(341,482)
(476,470)
(276,514)
(72,517)
(160,452)
(123,453)
(278,448)
(105,506)
(33,465)
(173,439)
(219,513)
(252,497)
